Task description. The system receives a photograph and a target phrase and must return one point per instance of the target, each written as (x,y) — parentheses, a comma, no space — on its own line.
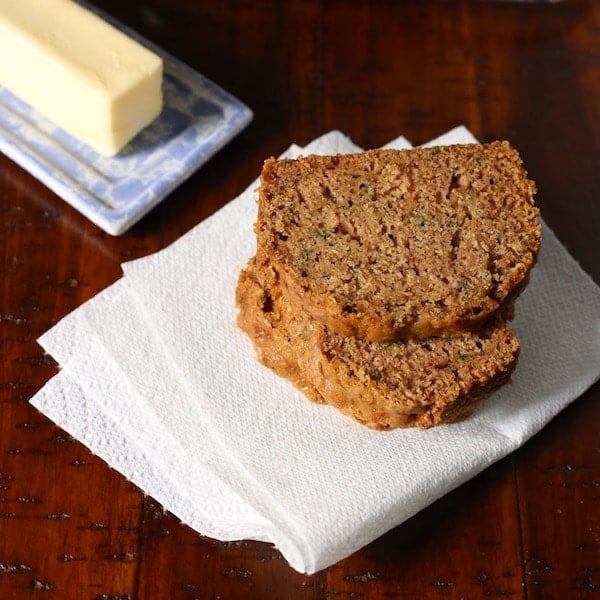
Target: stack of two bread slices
(383,281)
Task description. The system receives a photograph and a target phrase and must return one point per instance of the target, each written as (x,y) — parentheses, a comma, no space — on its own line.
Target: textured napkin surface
(156,379)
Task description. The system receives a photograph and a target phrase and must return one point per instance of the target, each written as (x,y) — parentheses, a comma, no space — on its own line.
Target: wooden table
(528,527)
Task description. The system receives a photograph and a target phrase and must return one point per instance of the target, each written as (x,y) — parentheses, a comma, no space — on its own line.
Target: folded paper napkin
(157,380)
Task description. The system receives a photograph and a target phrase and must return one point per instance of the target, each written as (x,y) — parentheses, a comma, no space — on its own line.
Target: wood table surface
(529,526)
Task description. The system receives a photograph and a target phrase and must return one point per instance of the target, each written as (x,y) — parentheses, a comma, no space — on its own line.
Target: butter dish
(114,192)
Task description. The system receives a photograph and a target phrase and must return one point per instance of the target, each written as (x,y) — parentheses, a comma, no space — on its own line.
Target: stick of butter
(86,76)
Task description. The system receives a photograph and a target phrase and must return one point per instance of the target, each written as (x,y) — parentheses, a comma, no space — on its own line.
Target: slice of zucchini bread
(383,385)
(392,244)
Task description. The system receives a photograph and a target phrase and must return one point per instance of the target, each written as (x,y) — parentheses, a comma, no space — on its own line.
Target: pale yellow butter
(83,74)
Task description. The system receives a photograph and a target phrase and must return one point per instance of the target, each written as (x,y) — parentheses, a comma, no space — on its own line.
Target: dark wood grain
(528,527)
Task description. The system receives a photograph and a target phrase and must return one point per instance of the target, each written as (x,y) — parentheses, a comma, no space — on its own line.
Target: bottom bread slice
(415,382)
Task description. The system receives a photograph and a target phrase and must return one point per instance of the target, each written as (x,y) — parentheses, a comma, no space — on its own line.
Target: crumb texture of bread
(384,280)
(396,244)
(383,385)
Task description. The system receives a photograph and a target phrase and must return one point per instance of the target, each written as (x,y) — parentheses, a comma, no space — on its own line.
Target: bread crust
(395,244)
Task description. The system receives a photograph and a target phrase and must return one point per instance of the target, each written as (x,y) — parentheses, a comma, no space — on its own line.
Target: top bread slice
(391,244)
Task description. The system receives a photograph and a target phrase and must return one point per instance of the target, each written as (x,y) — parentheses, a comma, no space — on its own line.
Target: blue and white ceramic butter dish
(197,120)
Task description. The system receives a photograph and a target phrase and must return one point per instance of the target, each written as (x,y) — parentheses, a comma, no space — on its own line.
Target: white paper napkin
(157,380)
